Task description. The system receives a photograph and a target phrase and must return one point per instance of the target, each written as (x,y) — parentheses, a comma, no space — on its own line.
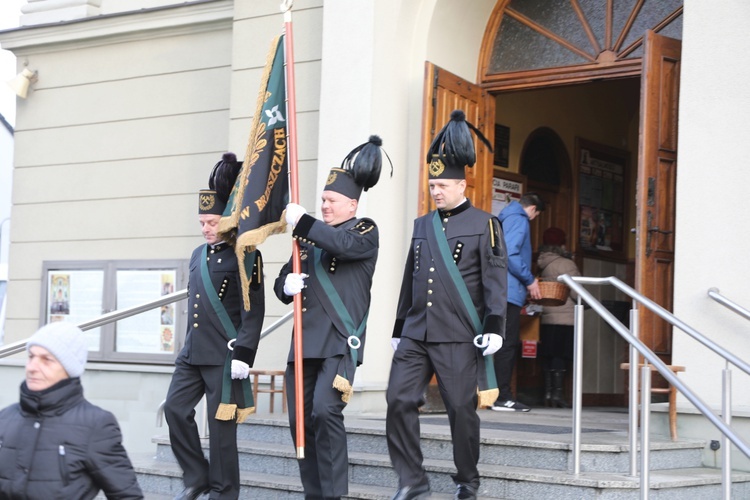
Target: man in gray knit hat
(55,444)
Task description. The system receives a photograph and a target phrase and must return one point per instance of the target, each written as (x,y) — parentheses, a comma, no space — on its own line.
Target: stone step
(164,478)
(375,469)
(547,447)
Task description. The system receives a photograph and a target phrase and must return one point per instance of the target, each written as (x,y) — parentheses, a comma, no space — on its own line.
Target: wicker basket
(553,293)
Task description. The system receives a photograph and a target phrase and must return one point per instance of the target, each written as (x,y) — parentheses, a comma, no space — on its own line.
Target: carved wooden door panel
(657,174)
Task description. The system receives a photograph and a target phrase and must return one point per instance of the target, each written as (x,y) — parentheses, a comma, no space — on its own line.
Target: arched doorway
(534,50)
(546,164)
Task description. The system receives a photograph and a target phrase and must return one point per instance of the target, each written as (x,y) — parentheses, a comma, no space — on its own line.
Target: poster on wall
(506,187)
(76,296)
(150,331)
(601,203)
(502,146)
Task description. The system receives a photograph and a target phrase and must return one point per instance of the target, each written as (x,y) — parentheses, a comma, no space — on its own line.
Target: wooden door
(445,92)
(657,174)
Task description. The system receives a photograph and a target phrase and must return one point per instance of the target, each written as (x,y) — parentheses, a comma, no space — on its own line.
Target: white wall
(6,184)
(713,231)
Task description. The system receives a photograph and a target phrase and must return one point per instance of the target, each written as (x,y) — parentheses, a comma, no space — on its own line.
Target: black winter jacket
(55,444)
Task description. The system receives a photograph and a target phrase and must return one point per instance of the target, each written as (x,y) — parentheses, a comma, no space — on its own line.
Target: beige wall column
(351,111)
(713,232)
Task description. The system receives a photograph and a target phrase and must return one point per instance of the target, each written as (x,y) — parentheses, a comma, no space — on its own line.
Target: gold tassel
(243,413)
(342,385)
(487,398)
(226,411)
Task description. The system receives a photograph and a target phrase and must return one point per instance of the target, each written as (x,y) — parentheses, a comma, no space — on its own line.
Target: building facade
(136,100)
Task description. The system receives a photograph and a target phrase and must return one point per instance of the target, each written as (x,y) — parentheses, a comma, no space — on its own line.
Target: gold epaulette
(364,226)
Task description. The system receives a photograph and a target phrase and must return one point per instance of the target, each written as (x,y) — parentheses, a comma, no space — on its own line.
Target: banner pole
(291,116)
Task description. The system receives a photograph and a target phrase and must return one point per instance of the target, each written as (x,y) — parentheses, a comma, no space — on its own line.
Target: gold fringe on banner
(251,156)
(247,241)
(342,385)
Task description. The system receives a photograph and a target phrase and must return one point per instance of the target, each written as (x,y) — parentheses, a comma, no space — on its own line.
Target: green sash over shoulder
(236,395)
(345,377)
(488,391)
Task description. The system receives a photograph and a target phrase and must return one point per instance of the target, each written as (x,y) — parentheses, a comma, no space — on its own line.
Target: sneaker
(509,405)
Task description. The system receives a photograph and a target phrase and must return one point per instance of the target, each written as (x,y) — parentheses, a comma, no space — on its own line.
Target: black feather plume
(365,162)
(454,144)
(223,176)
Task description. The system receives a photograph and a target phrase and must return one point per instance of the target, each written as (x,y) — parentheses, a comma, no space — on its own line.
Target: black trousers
(455,366)
(505,358)
(556,346)
(325,469)
(221,471)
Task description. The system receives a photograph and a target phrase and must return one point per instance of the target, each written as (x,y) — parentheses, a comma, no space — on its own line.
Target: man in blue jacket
(515,219)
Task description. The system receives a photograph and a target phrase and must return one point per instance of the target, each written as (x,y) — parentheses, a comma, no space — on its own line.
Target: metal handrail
(113,316)
(636,347)
(718,297)
(104,319)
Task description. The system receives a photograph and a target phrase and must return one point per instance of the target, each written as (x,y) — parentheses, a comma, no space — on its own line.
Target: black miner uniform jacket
(426,312)
(349,253)
(206,341)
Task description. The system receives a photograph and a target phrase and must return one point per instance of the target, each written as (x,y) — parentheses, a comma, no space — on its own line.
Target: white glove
(293,213)
(492,342)
(240,369)
(394,342)
(294,283)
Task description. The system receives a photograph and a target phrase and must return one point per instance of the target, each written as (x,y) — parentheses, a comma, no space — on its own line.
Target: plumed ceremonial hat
(452,149)
(359,170)
(220,183)
(66,342)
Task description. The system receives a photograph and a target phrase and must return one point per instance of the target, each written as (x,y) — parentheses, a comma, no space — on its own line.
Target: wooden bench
(272,390)
(671,390)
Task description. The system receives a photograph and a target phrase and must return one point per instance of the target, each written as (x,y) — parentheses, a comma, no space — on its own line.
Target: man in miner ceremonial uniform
(338,256)
(207,364)
(450,318)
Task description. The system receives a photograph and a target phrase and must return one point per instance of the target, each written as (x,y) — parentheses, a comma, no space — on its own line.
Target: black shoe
(192,492)
(465,492)
(412,492)
(509,405)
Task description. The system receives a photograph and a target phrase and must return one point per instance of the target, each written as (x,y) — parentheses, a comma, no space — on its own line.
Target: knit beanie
(66,342)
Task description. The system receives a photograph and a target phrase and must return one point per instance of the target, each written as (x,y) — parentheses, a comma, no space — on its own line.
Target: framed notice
(75,295)
(82,291)
(602,221)
(151,331)
(506,187)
